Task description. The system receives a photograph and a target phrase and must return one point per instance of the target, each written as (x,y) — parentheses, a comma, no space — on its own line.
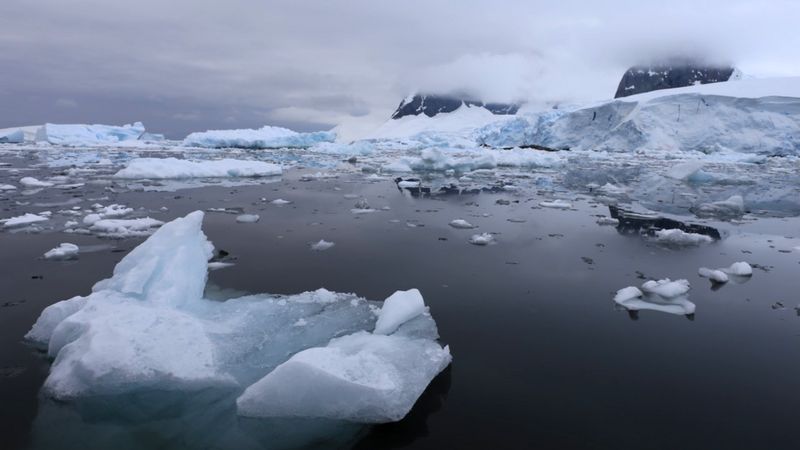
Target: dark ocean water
(542,357)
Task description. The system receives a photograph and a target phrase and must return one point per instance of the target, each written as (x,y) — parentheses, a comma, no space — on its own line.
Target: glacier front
(149,329)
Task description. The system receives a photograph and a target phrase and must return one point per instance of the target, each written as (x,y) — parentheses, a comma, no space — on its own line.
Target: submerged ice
(148,328)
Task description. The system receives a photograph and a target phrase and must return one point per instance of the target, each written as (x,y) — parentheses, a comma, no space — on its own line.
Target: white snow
(398,309)
(666,288)
(63,251)
(248,218)
(322,245)
(34,183)
(461,224)
(148,329)
(165,168)
(23,220)
(266,137)
(714,275)
(481,239)
(678,237)
(741,268)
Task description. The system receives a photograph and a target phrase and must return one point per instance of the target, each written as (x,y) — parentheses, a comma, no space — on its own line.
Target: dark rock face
(640,79)
(431,105)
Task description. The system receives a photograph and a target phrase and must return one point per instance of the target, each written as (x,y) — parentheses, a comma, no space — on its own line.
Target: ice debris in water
(680,238)
(165,168)
(362,207)
(481,239)
(248,218)
(123,228)
(662,295)
(322,245)
(462,224)
(23,220)
(607,221)
(34,183)
(7,187)
(63,251)
(149,329)
(107,212)
(557,204)
(280,202)
(714,275)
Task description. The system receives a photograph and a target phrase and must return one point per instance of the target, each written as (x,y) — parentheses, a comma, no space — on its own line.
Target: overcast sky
(186,65)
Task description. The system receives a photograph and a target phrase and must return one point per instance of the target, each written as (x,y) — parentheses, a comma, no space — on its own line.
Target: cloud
(317,63)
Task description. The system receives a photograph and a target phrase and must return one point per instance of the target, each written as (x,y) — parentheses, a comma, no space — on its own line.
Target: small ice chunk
(7,187)
(558,204)
(398,309)
(716,276)
(248,218)
(627,293)
(63,251)
(666,288)
(34,183)
(362,207)
(481,239)
(678,237)
(280,202)
(216,265)
(740,268)
(322,245)
(461,224)
(23,220)
(607,221)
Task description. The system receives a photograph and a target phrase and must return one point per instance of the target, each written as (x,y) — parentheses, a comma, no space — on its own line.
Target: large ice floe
(170,168)
(89,135)
(318,354)
(266,137)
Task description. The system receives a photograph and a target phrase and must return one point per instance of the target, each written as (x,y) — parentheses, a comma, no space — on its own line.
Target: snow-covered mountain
(431,105)
(639,79)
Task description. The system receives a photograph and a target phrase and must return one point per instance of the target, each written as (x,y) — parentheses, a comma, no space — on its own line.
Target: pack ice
(266,137)
(148,328)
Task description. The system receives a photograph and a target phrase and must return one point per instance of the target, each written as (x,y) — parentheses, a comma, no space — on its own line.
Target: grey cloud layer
(183,65)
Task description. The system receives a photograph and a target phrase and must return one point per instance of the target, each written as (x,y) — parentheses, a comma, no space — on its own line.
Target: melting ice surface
(148,329)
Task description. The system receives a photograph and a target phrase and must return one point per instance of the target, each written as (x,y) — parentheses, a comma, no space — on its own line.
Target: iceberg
(89,135)
(12,136)
(171,168)
(266,137)
(149,328)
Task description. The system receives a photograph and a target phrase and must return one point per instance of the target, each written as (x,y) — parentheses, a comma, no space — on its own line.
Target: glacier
(266,137)
(148,328)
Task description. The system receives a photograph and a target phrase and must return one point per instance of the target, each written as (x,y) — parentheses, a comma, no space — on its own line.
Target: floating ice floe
(63,251)
(557,204)
(362,207)
(724,209)
(149,329)
(607,221)
(481,239)
(107,212)
(662,295)
(7,187)
(461,224)
(680,238)
(166,168)
(124,228)
(322,245)
(715,275)
(89,135)
(280,202)
(34,183)
(248,218)
(24,220)
(266,137)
